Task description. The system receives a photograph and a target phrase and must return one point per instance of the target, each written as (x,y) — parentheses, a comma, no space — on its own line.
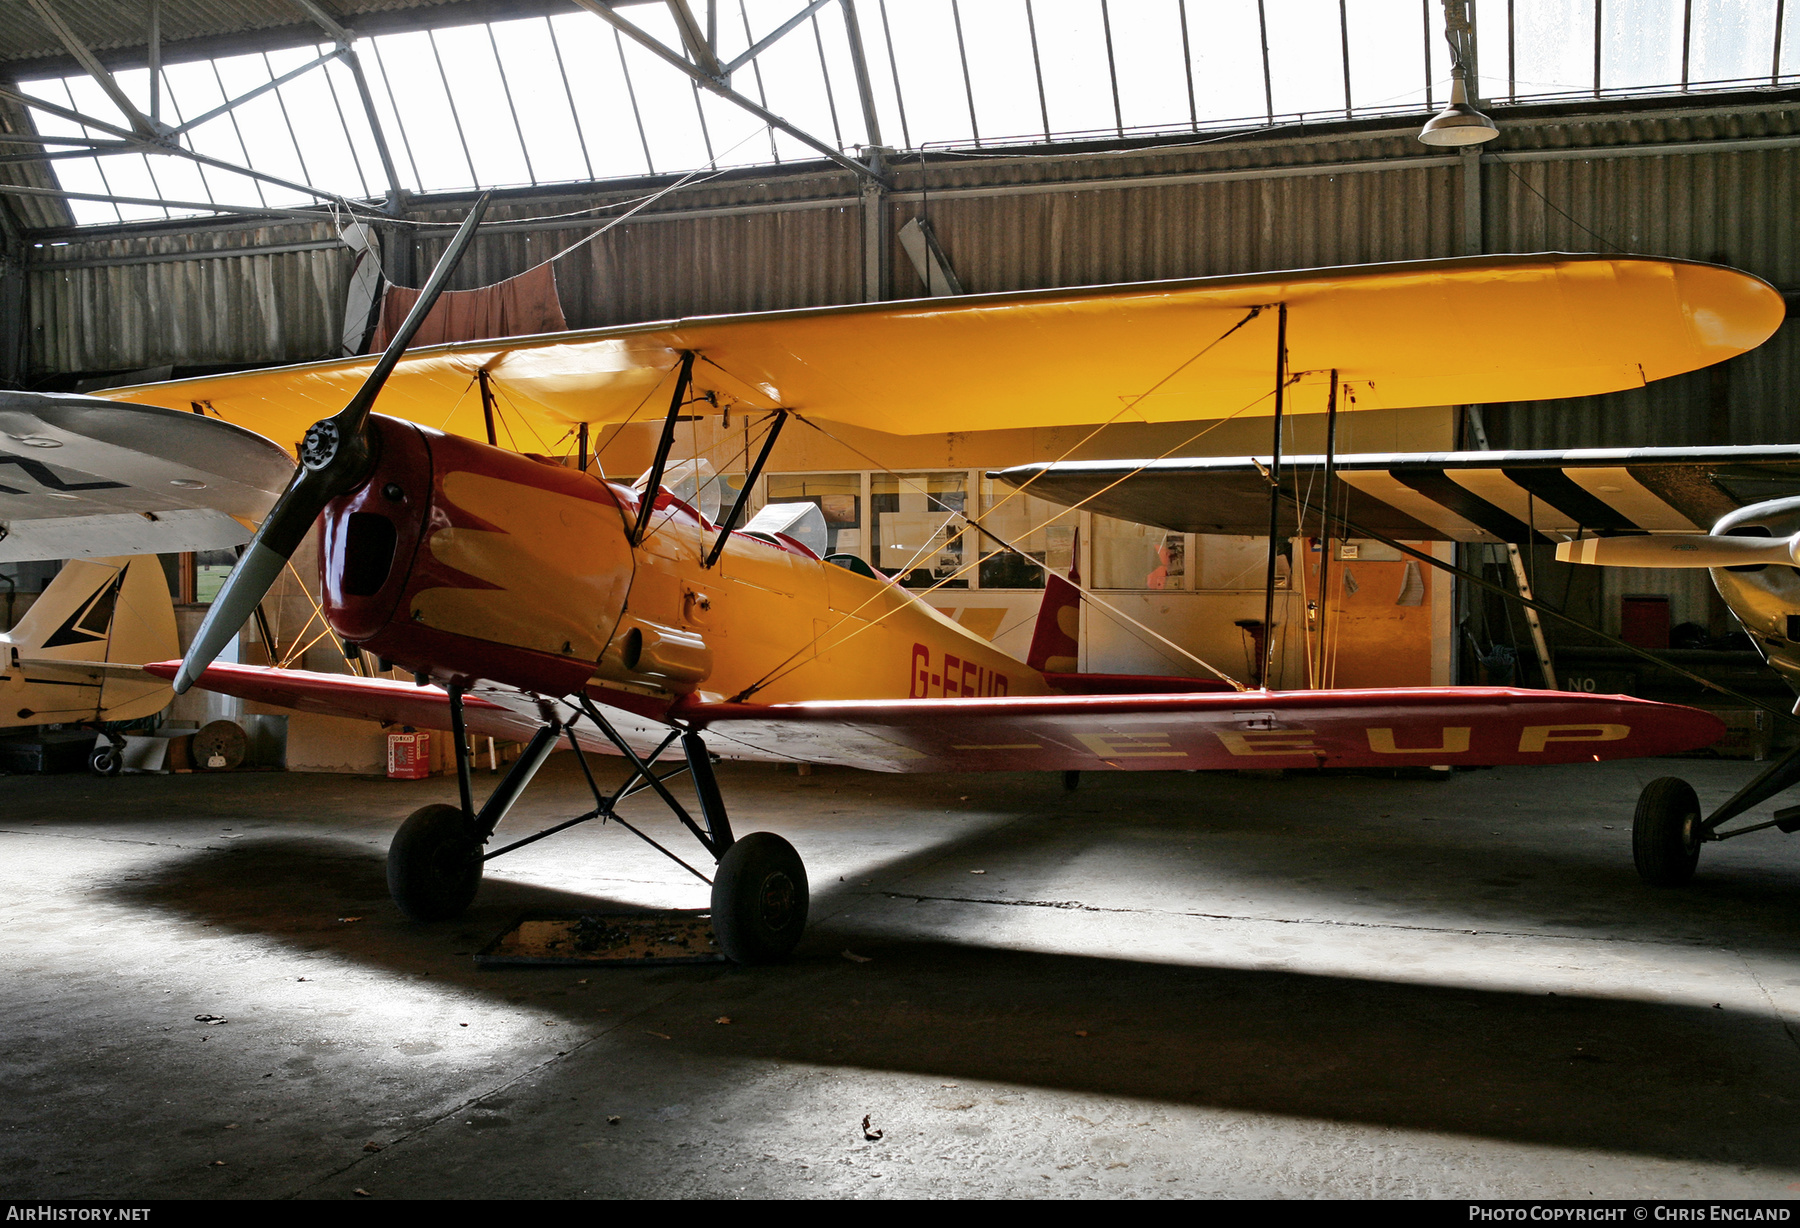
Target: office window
(916,523)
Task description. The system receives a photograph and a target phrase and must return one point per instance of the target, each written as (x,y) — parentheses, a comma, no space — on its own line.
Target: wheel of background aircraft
(434,864)
(1665,835)
(759,899)
(105,761)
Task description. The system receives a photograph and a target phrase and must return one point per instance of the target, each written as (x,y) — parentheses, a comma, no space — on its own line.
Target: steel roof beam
(154,51)
(859,62)
(769,40)
(145,146)
(603,10)
(19,189)
(326,22)
(698,44)
(88,142)
(142,124)
(344,39)
(258,92)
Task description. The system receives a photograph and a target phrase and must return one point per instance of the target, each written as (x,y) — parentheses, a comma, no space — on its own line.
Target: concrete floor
(1162,985)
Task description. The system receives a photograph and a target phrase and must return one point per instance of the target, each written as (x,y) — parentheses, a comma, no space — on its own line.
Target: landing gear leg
(435,861)
(759,891)
(1668,831)
(108,760)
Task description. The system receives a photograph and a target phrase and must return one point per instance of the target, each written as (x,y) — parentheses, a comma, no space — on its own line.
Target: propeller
(336,455)
(1681,550)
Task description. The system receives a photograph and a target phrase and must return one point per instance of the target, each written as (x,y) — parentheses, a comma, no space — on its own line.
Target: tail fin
(102,610)
(112,611)
(1055,643)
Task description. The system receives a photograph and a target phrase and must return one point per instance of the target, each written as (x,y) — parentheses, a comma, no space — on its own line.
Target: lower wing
(1471,726)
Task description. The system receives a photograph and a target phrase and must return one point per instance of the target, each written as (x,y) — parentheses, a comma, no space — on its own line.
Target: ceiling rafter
(141,124)
(770,39)
(603,9)
(167,146)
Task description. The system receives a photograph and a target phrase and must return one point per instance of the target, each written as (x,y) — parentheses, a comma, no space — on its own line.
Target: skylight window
(569,99)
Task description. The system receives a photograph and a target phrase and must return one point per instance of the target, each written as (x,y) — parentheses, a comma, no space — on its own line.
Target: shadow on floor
(1674,1081)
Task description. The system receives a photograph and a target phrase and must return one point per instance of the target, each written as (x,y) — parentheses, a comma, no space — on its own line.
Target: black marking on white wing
(1519,497)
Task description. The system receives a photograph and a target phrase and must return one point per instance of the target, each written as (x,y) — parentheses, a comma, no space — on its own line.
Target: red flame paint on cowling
(416,459)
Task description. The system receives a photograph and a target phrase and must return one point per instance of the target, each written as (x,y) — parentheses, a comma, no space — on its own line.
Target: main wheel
(759,899)
(434,864)
(106,761)
(1665,835)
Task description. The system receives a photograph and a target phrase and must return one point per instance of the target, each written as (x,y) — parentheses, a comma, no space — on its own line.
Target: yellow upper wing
(1437,332)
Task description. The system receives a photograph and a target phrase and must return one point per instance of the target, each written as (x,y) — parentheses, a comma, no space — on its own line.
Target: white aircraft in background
(109,487)
(77,656)
(1624,507)
(1752,554)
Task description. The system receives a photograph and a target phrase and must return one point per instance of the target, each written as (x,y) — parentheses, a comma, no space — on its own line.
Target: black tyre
(434,864)
(106,761)
(1665,835)
(759,899)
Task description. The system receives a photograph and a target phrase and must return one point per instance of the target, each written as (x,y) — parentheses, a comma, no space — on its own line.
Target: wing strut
(1324,677)
(1268,645)
(653,480)
(762,458)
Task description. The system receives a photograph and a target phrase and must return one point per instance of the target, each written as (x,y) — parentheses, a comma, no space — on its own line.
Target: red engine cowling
(431,606)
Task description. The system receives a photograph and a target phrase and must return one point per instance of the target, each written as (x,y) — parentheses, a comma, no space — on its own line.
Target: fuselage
(467,562)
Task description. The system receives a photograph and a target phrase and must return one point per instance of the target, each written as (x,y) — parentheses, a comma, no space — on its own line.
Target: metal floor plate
(636,938)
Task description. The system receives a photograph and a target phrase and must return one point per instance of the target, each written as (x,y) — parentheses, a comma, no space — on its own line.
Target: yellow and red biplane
(547,603)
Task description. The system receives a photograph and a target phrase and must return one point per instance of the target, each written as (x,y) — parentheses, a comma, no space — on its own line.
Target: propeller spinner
(337,454)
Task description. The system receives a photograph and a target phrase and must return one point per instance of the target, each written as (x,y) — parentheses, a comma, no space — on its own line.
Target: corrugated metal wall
(89,315)
(1030,239)
(792,239)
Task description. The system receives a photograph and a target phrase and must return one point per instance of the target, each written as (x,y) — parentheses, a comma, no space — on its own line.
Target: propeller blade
(1679,550)
(353,414)
(335,456)
(257,570)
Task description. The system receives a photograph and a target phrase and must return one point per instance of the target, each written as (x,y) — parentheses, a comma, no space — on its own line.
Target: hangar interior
(190,189)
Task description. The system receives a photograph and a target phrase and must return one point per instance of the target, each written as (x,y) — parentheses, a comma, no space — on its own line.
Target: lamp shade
(1459,123)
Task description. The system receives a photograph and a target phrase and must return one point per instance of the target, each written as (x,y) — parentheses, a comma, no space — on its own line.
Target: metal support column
(875,237)
(459,734)
(14,303)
